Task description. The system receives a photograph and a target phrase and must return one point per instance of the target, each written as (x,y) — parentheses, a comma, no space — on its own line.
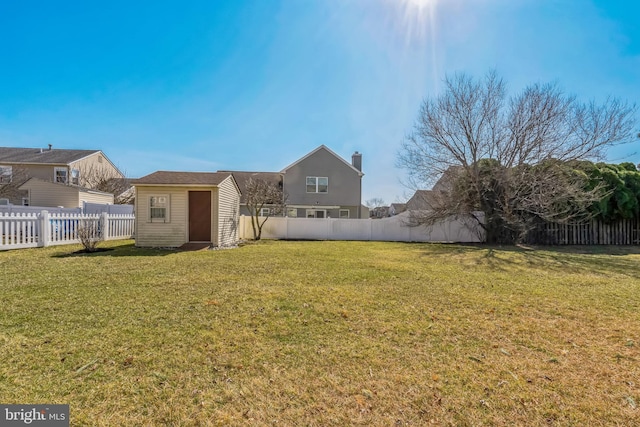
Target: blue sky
(257,84)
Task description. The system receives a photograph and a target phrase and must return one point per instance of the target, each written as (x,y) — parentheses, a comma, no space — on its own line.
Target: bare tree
(10,182)
(374,202)
(106,180)
(264,199)
(90,233)
(510,157)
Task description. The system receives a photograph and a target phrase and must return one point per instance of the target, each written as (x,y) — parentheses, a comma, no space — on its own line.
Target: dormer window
(60,175)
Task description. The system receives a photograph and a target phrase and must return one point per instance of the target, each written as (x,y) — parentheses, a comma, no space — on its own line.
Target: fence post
(286,227)
(45,229)
(104,218)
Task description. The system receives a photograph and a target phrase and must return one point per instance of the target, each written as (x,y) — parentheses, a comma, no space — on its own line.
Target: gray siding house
(319,185)
(322,184)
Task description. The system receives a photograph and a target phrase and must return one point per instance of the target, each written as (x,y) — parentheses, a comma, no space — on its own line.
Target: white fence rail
(395,229)
(30,230)
(87,208)
(14,209)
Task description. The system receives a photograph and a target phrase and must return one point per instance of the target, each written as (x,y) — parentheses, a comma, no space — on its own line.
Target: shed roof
(182,178)
(53,156)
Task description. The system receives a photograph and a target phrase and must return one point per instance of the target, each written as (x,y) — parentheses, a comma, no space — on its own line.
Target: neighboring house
(174,208)
(431,199)
(71,167)
(319,185)
(397,208)
(379,212)
(425,200)
(53,194)
(447,179)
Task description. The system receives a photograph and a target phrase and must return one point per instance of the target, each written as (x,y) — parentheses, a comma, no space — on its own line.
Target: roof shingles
(182,178)
(42,156)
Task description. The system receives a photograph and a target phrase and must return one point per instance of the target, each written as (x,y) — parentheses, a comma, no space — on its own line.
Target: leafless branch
(509,157)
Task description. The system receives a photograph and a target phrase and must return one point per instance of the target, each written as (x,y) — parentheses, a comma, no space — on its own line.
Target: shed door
(199,216)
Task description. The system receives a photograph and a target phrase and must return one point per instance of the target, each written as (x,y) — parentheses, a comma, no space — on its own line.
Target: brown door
(199,216)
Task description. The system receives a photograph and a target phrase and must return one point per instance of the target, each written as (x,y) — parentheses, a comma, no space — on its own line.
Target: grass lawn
(324,333)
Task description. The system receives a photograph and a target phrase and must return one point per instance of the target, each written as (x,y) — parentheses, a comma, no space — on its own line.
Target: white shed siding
(169,234)
(228,212)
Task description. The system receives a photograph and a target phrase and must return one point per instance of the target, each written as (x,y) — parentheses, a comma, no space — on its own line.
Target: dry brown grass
(324,333)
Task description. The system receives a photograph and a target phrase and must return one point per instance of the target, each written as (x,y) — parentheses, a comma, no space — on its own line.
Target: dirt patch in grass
(324,333)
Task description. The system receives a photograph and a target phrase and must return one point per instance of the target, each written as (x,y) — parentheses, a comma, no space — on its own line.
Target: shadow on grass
(129,250)
(599,259)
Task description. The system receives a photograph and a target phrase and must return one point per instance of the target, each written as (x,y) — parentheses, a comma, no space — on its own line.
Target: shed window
(159,208)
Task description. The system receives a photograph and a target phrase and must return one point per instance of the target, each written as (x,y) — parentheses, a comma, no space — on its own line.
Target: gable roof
(398,207)
(425,200)
(242,177)
(323,147)
(45,156)
(448,178)
(183,178)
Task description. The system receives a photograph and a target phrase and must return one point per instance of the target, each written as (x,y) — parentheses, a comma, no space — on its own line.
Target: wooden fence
(623,232)
(31,230)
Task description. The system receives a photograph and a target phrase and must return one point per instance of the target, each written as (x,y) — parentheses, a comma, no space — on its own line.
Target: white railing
(30,230)
(395,229)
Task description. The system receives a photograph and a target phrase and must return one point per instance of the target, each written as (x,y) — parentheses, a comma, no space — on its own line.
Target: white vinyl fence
(87,208)
(30,230)
(394,229)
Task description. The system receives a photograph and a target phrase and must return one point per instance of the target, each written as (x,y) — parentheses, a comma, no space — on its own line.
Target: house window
(344,213)
(264,212)
(25,201)
(60,175)
(292,212)
(159,208)
(317,184)
(75,176)
(6,174)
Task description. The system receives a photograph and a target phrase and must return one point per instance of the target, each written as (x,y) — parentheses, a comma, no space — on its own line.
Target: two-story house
(319,185)
(42,176)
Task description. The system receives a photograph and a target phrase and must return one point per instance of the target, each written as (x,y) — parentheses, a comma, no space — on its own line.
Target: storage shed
(174,208)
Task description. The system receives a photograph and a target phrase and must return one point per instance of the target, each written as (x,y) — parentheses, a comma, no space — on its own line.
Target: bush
(90,234)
